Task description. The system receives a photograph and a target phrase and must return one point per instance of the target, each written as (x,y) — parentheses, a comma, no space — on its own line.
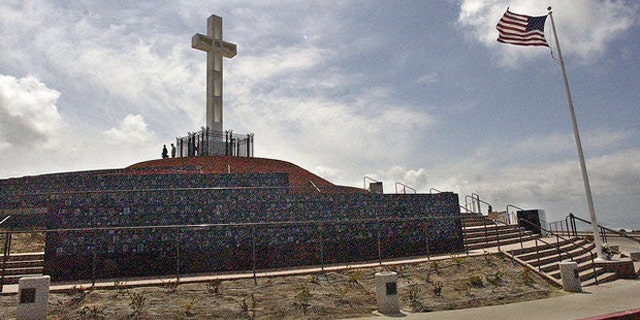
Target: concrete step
(13,279)
(23,264)
(582,267)
(547,244)
(602,278)
(567,251)
(24,256)
(16,271)
(503,232)
(492,236)
(494,242)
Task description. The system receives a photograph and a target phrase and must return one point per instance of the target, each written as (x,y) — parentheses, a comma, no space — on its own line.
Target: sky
(412,92)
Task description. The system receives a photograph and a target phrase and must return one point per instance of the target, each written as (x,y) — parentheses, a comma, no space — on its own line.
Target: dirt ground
(454,283)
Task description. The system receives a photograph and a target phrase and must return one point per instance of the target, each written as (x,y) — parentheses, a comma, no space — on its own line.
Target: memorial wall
(287,229)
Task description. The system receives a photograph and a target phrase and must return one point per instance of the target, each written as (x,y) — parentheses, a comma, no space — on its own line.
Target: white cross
(215,48)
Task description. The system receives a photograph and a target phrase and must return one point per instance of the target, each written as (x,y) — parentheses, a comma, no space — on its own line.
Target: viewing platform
(207,142)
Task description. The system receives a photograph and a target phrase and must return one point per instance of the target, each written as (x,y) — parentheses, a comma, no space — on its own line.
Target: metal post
(486,233)
(558,248)
(93,269)
(5,257)
(253,254)
(497,235)
(583,166)
(538,256)
(520,236)
(428,250)
(321,240)
(178,256)
(379,245)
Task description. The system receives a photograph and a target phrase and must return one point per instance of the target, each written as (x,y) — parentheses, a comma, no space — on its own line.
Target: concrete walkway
(605,299)
(596,302)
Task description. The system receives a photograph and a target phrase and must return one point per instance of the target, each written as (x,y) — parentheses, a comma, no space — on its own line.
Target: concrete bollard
(570,276)
(33,298)
(387,292)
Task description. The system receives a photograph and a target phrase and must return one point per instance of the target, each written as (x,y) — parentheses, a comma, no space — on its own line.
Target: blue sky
(417,92)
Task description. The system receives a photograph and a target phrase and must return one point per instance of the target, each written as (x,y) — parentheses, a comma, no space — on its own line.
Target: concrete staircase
(549,251)
(541,253)
(22,265)
(480,233)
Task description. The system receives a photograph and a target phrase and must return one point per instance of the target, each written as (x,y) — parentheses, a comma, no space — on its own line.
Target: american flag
(521,30)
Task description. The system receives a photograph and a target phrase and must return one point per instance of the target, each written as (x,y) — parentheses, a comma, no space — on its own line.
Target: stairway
(22,265)
(480,233)
(541,253)
(550,251)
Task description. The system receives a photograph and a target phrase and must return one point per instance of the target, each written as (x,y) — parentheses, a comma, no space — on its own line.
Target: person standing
(173,151)
(165,153)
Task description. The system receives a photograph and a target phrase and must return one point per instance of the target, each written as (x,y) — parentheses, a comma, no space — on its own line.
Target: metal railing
(5,253)
(558,237)
(404,188)
(364,181)
(605,232)
(315,241)
(569,226)
(514,215)
(476,203)
(209,142)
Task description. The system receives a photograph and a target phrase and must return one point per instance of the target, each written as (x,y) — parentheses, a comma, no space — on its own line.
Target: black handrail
(602,228)
(591,254)
(5,253)
(477,198)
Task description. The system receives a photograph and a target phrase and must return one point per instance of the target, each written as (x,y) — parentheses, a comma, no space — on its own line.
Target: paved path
(613,297)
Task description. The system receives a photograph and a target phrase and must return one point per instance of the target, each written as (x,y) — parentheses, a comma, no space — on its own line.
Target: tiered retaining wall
(293,228)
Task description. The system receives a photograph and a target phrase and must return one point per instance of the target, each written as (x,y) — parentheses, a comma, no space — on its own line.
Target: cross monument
(215,48)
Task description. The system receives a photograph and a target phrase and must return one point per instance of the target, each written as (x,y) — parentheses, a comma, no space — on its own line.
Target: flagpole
(583,166)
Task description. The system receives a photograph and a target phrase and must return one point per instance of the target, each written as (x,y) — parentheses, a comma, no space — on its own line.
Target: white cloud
(556,186)
(595,142)
(28,113)
(585,27)
(132,130)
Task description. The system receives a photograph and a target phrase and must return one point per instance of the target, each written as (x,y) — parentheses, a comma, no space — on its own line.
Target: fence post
(497,235)
(423,228)
(321,240)
(538,255)
(93,269)
(603,231)
(253,254)
(178,246)
(5,257)
(379,245)
(558,249)
(486,233)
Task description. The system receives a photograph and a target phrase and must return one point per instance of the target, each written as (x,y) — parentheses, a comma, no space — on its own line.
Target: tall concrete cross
(215,48)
